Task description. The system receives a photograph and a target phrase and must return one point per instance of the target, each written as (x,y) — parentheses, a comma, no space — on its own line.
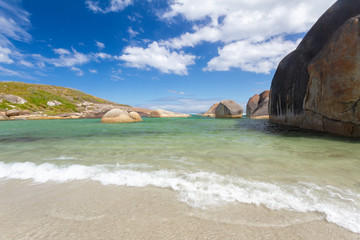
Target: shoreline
(89,210)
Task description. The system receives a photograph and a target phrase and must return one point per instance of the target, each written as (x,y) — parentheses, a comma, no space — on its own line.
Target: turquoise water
(205,161)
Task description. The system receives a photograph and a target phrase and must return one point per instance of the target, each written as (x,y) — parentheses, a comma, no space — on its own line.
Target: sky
(178,55)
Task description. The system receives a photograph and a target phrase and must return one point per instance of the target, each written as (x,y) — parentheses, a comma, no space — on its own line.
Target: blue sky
(178,55)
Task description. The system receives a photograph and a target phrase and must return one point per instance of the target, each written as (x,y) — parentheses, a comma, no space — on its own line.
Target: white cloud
(4,55)
(78,71)
(115,78)
(14,21)
(71,59)
(158,57)
(68,59)
(12,73)
(236,22)
(258,57)
(113,6)
(181,104)
(100,45)
(26,63)
(209,34)
(131,18)
(102,56)
(61,51)
(132,32)
(176,92)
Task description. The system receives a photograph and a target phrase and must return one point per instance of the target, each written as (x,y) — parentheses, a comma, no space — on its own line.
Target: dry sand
(88,210)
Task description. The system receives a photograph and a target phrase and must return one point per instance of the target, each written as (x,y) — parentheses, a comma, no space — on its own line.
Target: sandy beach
(89,210)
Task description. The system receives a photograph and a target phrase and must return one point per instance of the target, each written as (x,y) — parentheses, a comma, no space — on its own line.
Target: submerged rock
(258,105)
(317,86)
(229,109)
(166,114)
(211,111)
(120,116)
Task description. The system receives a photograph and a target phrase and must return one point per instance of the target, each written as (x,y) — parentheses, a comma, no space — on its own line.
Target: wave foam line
(203,189)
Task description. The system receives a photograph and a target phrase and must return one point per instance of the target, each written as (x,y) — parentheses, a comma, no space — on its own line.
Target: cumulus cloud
(112,6)
(159,57)
(236,23)
(102,56)
(258,57)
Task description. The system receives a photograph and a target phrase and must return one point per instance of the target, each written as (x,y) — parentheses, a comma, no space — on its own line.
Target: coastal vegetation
(38,96)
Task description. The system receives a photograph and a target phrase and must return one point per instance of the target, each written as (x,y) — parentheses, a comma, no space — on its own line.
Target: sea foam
(203,189)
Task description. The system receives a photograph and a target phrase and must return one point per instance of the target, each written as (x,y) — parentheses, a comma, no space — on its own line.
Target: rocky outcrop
(120,116)
(54,103)
(211,111)
(13,99)
(316,86)
(43,99)
(258,105)
(96,110)
(3,117)
(166,114)
(143,112)
(229,109)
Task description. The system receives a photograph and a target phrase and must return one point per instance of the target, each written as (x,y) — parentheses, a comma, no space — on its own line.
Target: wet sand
(89,210)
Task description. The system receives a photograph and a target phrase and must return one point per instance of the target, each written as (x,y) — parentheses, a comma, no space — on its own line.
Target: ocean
(206,163)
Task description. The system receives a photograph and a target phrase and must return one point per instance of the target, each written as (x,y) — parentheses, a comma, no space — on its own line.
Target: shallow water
(207,162)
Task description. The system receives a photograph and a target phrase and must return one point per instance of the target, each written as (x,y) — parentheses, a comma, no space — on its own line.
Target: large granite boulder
(120,116)
(166,114)
(3,117)
(229,109)
(13,99)
(211,111)
(258,105)
(332,99)
(316,86)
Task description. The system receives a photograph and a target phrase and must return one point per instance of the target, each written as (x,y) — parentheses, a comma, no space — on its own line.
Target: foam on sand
(203,189)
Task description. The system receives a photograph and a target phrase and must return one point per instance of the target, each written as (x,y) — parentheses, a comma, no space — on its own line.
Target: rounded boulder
(120,116)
